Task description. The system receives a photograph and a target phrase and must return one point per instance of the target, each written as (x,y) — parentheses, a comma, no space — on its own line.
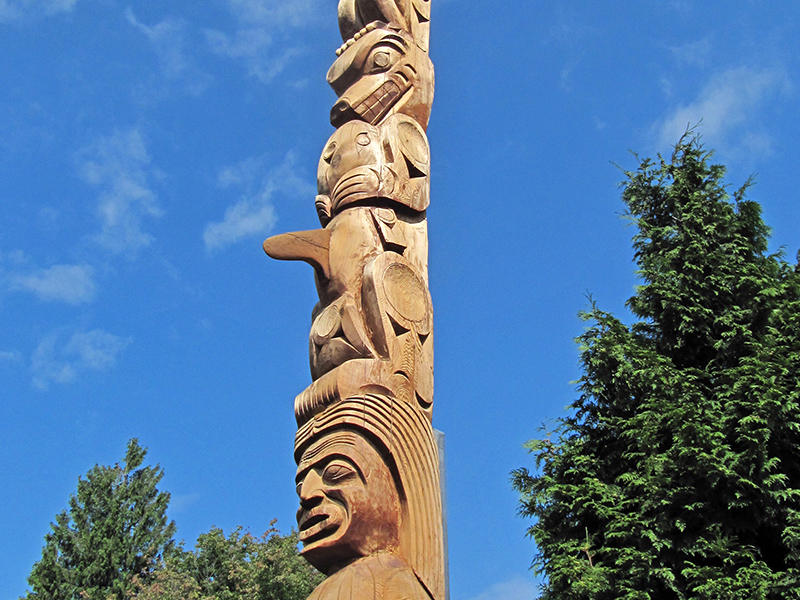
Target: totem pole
(370,505)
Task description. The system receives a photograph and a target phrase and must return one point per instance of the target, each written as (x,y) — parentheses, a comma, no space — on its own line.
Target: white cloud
(519,588)
(253,214)
(168,39)
(73,284)
(727,106)
(13,10)
(54,362)
(120,166)
(259,23)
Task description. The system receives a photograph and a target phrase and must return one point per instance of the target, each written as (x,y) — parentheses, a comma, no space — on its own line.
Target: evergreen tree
(677,473)
(116,528)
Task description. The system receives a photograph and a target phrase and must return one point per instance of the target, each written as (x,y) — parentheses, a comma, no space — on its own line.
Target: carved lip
(314,524)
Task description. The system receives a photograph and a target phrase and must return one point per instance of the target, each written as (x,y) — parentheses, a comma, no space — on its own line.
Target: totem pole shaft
(368,467)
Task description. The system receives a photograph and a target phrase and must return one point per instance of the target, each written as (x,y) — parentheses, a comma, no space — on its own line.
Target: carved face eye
(338,472)
(381,59)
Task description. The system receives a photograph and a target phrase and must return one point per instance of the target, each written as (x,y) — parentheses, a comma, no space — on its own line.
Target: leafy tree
(165,583)
(677,473)
(115,542)
(237,567)
(116,527)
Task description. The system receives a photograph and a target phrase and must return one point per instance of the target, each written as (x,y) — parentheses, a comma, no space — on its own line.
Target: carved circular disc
(405,292)
(327,323)
(413,143)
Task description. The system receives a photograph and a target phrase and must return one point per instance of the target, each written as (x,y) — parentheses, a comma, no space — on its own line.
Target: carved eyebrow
(311,456)
(345,438)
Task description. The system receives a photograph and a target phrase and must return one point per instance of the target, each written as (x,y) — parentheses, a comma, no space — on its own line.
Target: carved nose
(310,490)
(341,113)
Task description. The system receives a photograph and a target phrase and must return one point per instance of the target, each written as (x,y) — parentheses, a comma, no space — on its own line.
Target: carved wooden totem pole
(370,505)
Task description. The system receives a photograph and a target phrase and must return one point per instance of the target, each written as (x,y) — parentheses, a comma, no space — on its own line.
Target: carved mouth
(379,102)
(314,524)
(360,183)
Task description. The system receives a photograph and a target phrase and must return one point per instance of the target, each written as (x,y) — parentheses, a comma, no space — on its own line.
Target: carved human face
(348,502)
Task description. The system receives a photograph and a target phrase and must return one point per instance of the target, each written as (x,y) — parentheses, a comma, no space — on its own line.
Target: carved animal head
(380,72)
(361,162)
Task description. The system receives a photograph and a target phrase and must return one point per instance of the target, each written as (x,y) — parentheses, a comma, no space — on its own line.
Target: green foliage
(115,542)
(165,583)
(115,528)
(237,567)
(677,474)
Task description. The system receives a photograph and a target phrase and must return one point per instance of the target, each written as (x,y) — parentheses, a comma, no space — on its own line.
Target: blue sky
(147,149)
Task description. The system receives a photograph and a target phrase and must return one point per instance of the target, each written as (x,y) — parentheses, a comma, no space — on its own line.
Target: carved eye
(381,59)
(338,472)
(362,139)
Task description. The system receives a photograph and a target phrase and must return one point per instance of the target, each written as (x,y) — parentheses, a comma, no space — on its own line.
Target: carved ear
(309,246)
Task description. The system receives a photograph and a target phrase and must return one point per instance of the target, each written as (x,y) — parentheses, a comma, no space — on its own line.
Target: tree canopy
(116,542)
(116,527)
(676,474)
(237,567)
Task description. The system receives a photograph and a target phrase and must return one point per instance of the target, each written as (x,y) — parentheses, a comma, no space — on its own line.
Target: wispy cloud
(57,362)
(120,166)
(693,53)
(260,39)
(519,588)
(12,356)
(73,284)
(178,503)
(254,46)
(14,10)
(253,214)
(168,39)
(728,106)
(280,13)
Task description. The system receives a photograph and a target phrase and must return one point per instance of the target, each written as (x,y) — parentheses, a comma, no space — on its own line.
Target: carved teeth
(383,98)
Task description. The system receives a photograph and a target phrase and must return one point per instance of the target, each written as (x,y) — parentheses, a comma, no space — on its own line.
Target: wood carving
(367,477)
